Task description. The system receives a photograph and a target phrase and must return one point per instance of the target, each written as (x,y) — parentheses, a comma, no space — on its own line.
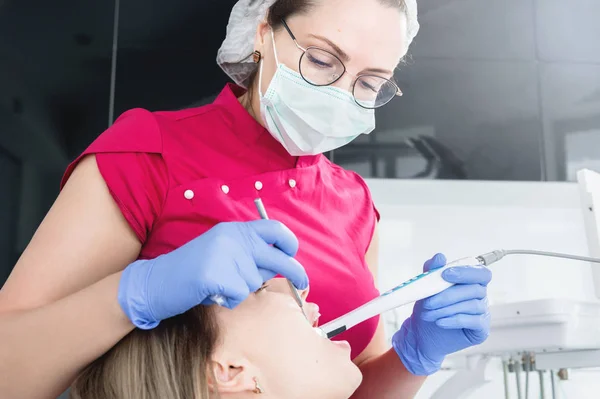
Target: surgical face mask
(307,119)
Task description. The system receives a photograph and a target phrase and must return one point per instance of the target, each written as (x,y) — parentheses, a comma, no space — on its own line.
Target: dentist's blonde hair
(171,361)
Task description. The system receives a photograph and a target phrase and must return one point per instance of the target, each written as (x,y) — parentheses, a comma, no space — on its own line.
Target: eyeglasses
(320,67)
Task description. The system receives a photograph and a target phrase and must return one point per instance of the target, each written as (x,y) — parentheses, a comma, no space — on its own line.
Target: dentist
(157,214)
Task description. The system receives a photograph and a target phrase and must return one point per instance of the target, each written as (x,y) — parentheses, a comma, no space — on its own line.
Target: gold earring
(257,388)
(256,56)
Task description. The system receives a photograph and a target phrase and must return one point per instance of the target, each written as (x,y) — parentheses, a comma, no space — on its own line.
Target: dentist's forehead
(372,34)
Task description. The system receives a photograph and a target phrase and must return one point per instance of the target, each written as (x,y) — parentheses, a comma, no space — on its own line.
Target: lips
(342,344)
(315,322)
(312,313)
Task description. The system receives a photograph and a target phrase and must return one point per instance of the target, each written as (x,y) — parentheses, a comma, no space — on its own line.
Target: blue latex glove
(231,259)
(452,320)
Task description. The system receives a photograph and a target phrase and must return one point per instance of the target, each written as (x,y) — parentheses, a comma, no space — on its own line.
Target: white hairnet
(235,54)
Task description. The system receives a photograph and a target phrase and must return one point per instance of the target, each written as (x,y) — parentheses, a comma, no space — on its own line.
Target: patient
(264,346)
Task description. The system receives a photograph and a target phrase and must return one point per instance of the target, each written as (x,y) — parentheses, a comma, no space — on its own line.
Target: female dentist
(157,214)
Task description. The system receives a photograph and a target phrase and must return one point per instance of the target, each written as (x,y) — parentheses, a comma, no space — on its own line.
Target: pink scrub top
(174,175)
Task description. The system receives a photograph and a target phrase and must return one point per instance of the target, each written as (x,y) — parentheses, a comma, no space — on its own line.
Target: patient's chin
(353,380)
(349,379)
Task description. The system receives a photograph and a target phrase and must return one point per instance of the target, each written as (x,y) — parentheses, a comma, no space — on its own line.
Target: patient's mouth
(315,322)
(342,344)
(312,313)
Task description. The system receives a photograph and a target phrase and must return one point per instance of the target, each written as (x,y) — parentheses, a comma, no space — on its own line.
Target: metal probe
(220,299)
(263,215)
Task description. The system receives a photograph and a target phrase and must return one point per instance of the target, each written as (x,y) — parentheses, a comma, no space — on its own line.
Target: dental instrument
(220,299)
(542,385)
(425,285)
(505,375)
(552,384)
(263,215)
(527,367)
(518,366)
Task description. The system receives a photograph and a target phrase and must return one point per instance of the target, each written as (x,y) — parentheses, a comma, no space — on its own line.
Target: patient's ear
(230,375)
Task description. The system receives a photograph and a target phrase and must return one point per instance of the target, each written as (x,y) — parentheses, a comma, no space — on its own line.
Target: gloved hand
(452,320)
(231,259)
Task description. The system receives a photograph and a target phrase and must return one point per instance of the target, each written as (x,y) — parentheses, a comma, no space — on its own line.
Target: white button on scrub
(292,183)
(188,194)
(258,185)
(225,189)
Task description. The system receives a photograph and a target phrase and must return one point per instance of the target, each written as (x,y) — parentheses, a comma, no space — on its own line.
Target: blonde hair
(171,361)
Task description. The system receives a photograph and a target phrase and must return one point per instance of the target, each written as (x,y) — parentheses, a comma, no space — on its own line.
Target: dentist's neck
(251,102)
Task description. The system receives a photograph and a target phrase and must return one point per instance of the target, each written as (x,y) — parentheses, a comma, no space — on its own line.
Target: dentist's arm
(384,375)
(67,301)
(58,309)
(442,324)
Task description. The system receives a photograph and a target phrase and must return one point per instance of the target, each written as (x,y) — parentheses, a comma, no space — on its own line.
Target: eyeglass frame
(357,77)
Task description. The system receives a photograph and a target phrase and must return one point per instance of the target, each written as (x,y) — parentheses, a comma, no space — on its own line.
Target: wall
(31,158)
(420,218)
(9,181)
(501,83)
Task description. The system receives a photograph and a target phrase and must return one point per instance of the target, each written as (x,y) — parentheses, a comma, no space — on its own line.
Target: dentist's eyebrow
(341,53)
(345,57)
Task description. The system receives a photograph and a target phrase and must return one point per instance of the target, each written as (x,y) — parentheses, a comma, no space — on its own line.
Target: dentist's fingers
(437,261)
(465,321)
(455,294)
(471,307)
(468,275)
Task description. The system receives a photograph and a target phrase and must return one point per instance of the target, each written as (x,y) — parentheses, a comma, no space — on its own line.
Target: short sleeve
(130,159)
(373,219)
(377,214)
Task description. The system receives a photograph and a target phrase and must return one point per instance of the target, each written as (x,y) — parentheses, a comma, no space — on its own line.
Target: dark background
(494,90)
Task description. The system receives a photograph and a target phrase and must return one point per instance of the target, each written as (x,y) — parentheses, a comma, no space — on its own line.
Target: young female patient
(264,346)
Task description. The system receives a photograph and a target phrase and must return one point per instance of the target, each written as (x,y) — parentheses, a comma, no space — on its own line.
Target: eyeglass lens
(321,68)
